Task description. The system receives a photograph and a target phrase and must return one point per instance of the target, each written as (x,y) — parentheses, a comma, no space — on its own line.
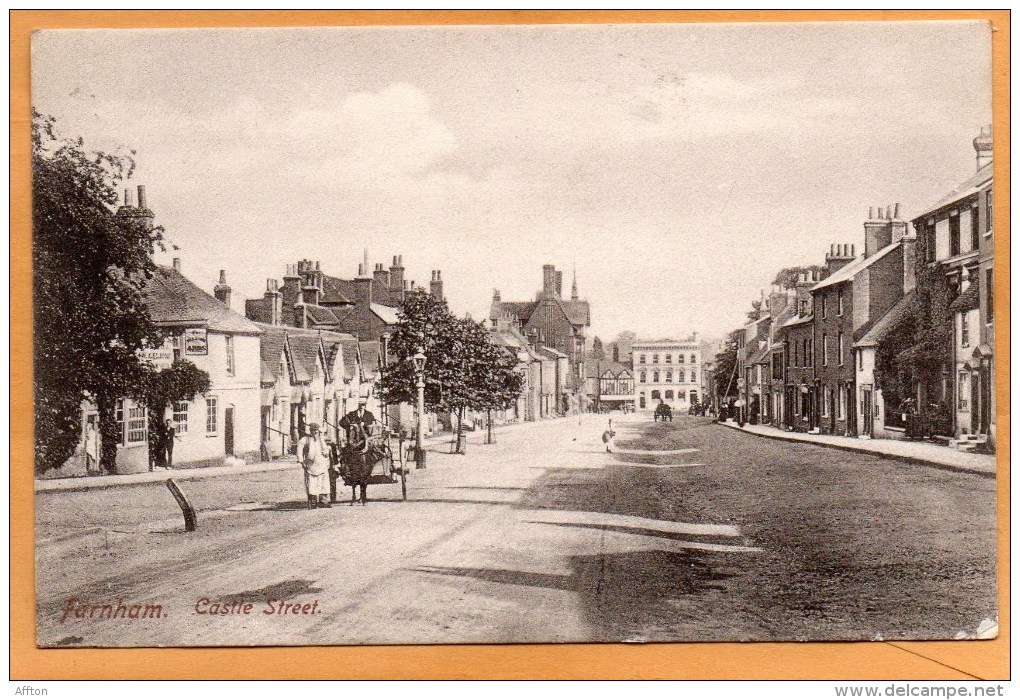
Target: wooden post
(190,517)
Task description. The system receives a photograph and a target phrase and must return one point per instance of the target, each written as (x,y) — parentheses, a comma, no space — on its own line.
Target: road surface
(691,531)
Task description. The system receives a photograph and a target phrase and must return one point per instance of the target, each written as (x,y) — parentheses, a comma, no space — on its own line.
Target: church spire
(573,288)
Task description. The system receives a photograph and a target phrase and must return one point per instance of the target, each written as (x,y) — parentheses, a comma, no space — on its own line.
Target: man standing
(313,456)
(169,435)
(359,417)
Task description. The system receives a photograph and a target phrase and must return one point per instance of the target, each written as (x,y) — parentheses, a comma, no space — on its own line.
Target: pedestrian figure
(169,435)
(91,447)
(314,458)
(607,437)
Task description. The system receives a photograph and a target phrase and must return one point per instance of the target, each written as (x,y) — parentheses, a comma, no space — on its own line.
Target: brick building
(555,323)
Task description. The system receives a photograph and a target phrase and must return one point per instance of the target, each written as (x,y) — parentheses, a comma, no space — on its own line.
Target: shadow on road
(285,590)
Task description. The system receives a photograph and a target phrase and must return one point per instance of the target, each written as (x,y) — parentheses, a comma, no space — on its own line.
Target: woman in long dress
(314,458)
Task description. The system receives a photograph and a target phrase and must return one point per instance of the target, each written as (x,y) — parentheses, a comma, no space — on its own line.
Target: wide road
(691,531)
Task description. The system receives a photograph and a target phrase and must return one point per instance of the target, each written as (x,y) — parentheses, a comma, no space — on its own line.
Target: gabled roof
(320,315)
(174,300)
(371,355)
(337,291)
(597,368)
(519,309)
(848,271)
(972,185)
(350,347)
(891,318)
(578,311)
(272,345)
(970,299)
(305,350)
(759,355)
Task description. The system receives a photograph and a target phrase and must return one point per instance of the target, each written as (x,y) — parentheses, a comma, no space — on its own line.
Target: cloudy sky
(677,167)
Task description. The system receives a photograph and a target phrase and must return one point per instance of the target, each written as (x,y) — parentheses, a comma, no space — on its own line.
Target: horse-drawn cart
(370,460)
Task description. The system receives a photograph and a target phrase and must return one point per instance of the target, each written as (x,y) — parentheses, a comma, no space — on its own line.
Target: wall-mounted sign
(160,358)
(196,341)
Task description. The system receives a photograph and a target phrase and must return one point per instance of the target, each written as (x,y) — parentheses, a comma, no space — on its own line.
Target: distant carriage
(665,412)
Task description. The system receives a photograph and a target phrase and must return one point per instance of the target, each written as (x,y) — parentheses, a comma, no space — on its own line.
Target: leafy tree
(724,366)
(181,381)
(464,370)
(597,351)
(756,310)
(787,277)
(89,267)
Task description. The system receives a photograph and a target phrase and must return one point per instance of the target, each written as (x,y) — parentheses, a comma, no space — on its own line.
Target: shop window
(181,417)
(210,416)
(119,417)
(137,422)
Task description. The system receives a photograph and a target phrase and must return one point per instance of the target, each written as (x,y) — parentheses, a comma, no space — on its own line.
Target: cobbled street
(690,531)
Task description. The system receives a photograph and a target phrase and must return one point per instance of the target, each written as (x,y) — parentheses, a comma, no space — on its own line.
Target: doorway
(228,431)
(866,410)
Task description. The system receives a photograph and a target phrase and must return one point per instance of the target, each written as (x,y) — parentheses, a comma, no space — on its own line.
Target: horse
(357,458)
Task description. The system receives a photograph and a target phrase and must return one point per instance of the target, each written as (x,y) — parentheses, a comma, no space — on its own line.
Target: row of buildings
(309,350)
(904,327)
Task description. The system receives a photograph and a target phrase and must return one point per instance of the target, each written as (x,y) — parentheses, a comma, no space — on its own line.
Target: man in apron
(314,458)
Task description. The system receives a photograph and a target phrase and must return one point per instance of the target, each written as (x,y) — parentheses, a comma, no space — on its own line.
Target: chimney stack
(838,257)
(397,274)
(436,285)
(141,197)
(275,299)
(495,295)
(983,147)
(128,201)
(559,284)
(222,290)
(548,280)
(177,264)
(381,276)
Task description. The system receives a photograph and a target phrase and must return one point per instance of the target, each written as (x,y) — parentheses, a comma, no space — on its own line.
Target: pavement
(906,450)
(691,532)
(86,483)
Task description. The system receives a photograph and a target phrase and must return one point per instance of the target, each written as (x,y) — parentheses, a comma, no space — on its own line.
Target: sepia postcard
(514,334)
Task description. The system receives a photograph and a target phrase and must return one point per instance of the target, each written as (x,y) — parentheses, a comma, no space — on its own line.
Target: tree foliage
(464,370)
(598,352)
(88,270)
(787,277)
(724,366)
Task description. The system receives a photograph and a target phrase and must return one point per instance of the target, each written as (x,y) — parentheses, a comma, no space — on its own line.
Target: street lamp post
(419,375)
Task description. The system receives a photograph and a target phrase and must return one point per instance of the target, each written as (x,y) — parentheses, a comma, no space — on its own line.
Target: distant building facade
(667,371)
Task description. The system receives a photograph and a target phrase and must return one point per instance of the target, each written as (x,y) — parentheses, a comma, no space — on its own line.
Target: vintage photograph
(514,334)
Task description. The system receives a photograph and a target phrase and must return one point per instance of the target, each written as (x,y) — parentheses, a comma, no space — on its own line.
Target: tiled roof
(173,299)
(970,186)
(889,320)
(597,368)
(370,355)
(577,311)
(349,344)
(552,352)
(337,291)
(798,320)
(519,309)
(848,271)
(759,355)
(258,310)
(970,299)
(304,351)
(321,315)
(273,342)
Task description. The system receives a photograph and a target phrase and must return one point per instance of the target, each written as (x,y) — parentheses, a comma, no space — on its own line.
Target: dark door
(866,408)
(228,431)
(975,402)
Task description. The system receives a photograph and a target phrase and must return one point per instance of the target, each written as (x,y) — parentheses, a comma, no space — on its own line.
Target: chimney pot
(127,197)
(141,196)
(896,212)
(177,264)
(888,212)
(871,213)
(853,250)
(223,276)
